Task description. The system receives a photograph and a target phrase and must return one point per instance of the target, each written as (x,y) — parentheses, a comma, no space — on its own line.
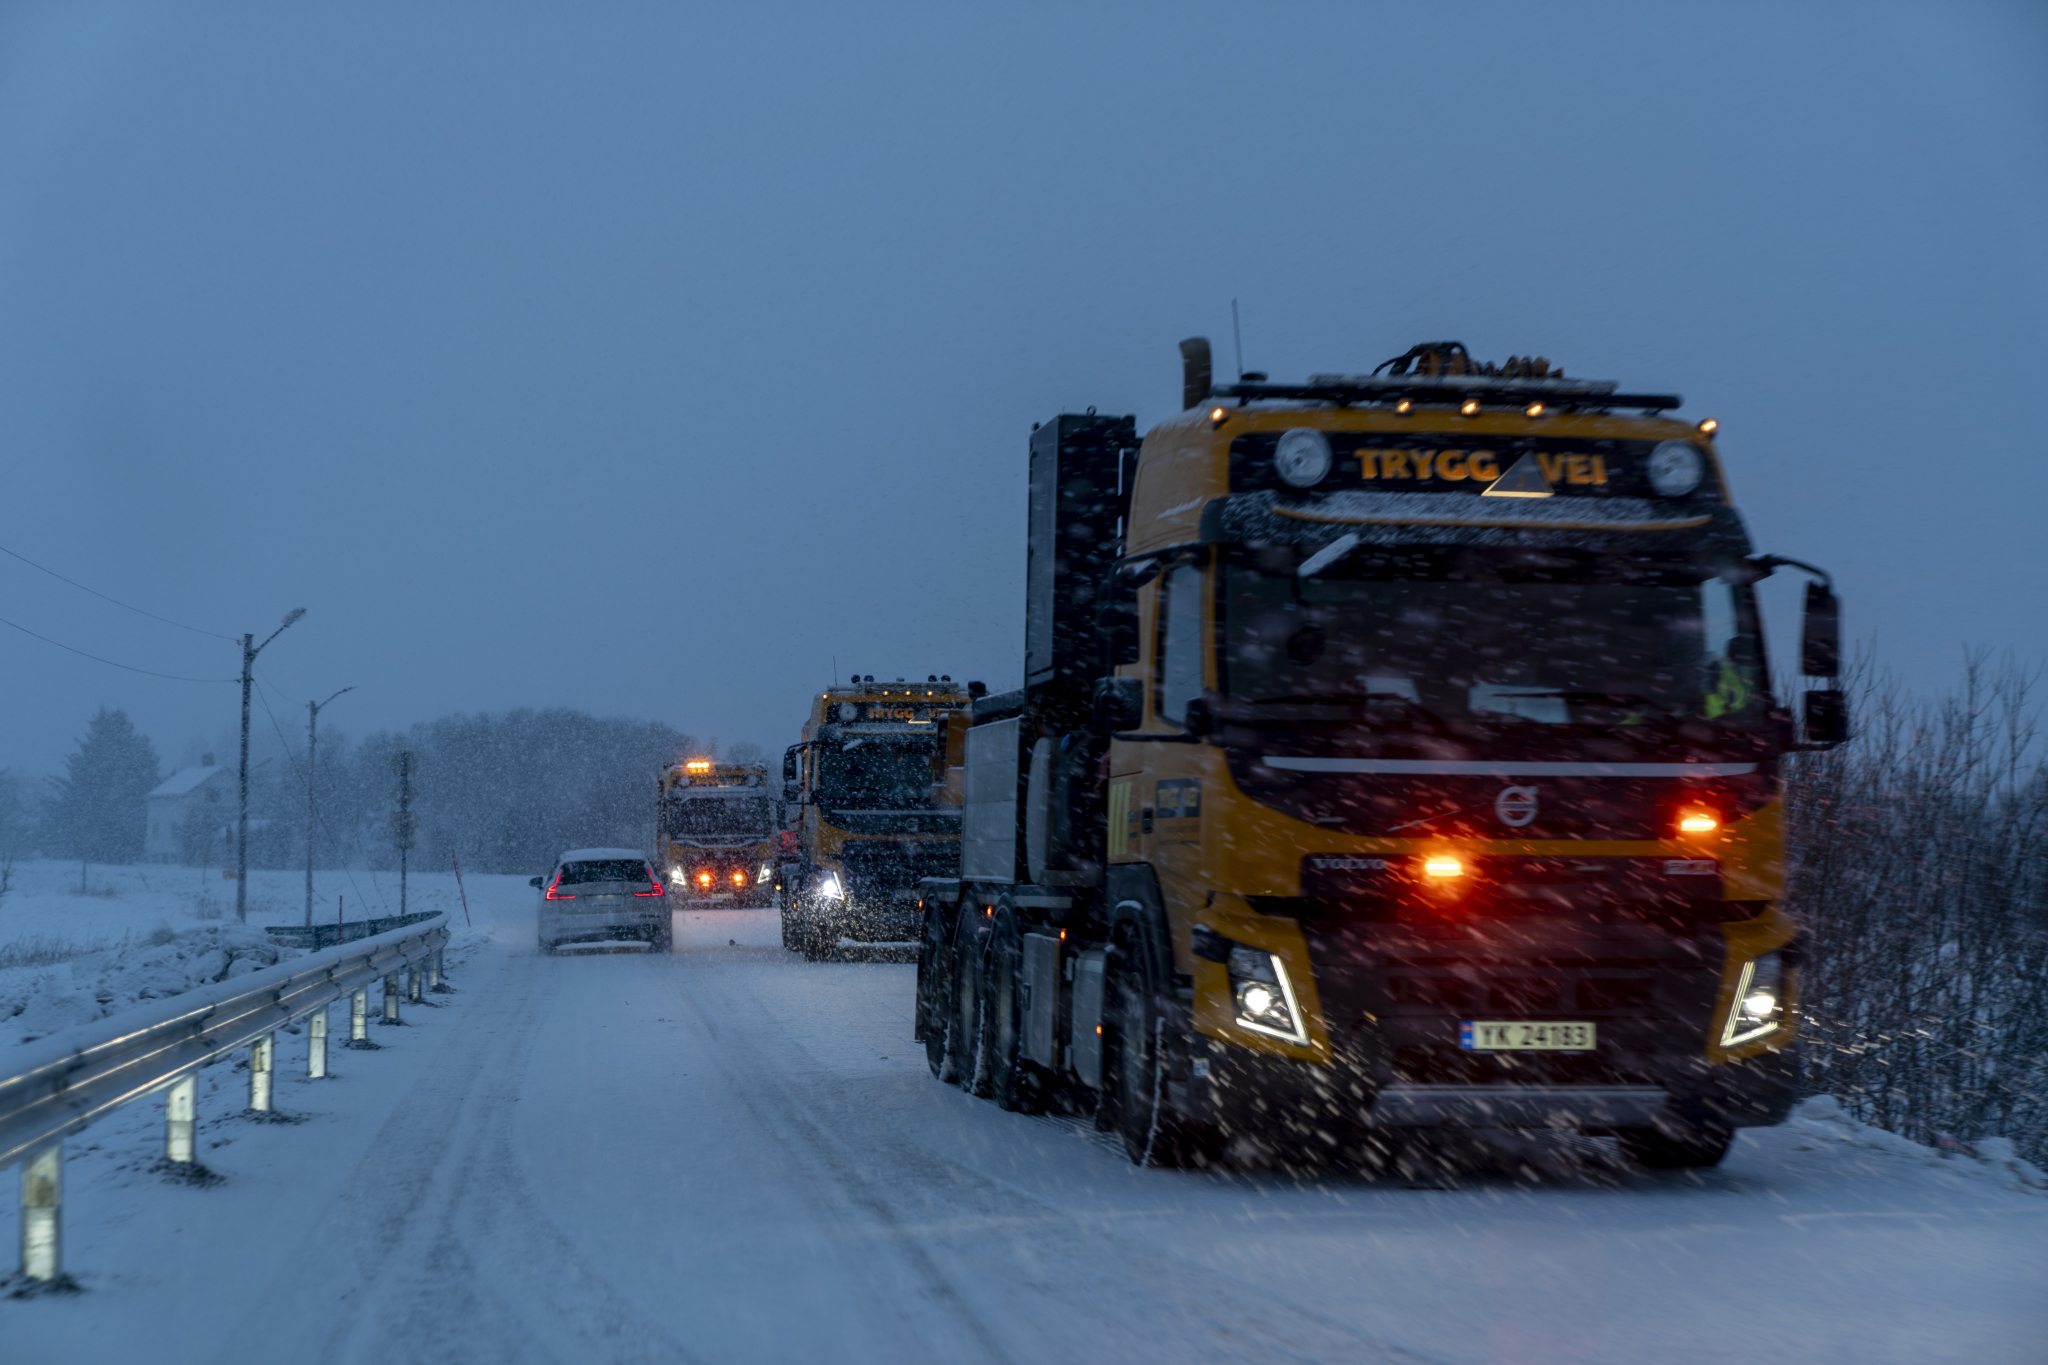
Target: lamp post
(312,750)
(250,649)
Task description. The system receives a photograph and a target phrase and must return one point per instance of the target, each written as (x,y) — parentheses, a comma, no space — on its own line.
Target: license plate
(1524,1035)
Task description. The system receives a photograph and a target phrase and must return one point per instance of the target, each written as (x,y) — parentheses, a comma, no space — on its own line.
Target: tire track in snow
(967,1235)
(449,1258)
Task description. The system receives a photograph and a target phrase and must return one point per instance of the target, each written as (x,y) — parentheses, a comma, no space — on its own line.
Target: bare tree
(1920,867)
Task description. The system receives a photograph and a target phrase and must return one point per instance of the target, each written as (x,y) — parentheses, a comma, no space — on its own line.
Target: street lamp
(312,748)
(250,650)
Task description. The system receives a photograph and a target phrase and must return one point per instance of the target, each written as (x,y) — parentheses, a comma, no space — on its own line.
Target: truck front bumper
(1243,1091)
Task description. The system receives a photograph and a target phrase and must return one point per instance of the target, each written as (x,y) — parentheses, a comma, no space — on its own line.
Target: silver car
(602,895)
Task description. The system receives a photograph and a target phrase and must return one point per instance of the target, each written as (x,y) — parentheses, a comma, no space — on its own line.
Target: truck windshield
(876,772)
(1496,650)
(726,817)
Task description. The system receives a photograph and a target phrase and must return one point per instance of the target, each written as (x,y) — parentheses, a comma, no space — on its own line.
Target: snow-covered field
(729,1155)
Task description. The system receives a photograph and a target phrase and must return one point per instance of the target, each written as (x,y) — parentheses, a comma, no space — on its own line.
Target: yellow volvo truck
(1395,751)
(716,825)
(869,820)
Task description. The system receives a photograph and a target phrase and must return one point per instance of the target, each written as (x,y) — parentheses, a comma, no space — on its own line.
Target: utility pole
(312,749)
(250,650)
(404,763)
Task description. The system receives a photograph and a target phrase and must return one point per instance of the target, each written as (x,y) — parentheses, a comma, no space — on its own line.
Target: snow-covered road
(729,1155)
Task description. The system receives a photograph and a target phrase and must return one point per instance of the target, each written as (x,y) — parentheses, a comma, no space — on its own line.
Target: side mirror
(1119,704)
(789,792)
(1827,718)
(1820,642)
(1199,722)
(535,882)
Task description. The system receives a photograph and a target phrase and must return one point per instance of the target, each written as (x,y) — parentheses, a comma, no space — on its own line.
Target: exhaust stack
(1194,371)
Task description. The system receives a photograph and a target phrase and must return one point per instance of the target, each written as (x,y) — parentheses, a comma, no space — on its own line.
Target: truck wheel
(1134,1088)
(963,1020)
(1013,1081)
(1675,1147)
(791,941)
(934,1005)
(815,936)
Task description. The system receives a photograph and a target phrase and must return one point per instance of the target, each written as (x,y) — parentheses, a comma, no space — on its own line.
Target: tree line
(505,792)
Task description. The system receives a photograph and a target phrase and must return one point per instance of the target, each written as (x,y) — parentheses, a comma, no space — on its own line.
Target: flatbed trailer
(1395,752)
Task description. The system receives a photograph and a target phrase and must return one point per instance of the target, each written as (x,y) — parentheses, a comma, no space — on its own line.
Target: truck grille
(876,867)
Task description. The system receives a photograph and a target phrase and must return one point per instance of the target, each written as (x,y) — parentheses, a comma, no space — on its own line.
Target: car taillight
(654,885)
(555,893)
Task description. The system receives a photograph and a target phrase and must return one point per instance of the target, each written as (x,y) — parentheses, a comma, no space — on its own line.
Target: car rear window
(606,870)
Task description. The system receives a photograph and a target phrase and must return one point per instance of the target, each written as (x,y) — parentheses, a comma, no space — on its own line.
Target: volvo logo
(1515,806)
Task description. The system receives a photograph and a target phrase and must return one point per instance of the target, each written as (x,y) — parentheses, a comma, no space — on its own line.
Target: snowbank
(1821,1124)
(165,962)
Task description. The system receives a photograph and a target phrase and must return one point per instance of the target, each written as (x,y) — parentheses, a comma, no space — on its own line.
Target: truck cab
(1396,751)
(867,819)
(715,827)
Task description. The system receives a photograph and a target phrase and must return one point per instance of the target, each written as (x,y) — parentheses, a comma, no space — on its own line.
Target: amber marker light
(1698,822)
(1441,866)
(1533,410)
(1405,406)
(1709,426)
(699,765)
(703,879)
(1469,408)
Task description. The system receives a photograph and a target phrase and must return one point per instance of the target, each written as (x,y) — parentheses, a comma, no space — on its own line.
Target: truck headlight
(1303,457)
(829,887)
(1759,1006)
(1263,996)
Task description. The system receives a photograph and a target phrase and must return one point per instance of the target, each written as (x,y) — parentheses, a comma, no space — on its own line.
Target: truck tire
(963,1018)
(1675,1146)
(791,942)
(934,1000)
(1133,1084)
(1014,1082)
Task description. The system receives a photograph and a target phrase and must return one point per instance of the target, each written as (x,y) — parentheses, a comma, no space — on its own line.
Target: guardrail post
(413,973)
(440,971)
(391,999)
(42,1207)
(261,1053)
(181,1113)
(316,1044)
(434,970)
(359,1016)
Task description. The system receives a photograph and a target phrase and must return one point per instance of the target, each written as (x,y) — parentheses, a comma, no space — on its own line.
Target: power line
(174,677)
(115,600)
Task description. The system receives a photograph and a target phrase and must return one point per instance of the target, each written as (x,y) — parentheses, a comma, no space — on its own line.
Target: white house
(207,791)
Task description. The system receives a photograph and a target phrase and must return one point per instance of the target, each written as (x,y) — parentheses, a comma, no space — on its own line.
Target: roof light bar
(1454,389)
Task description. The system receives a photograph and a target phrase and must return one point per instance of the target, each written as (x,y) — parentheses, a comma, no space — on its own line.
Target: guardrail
(51,1088)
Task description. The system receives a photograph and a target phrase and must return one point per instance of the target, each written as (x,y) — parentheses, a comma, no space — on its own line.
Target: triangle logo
(1524,479)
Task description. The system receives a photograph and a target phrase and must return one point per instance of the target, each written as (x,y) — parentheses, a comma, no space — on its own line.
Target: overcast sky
(648,360)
